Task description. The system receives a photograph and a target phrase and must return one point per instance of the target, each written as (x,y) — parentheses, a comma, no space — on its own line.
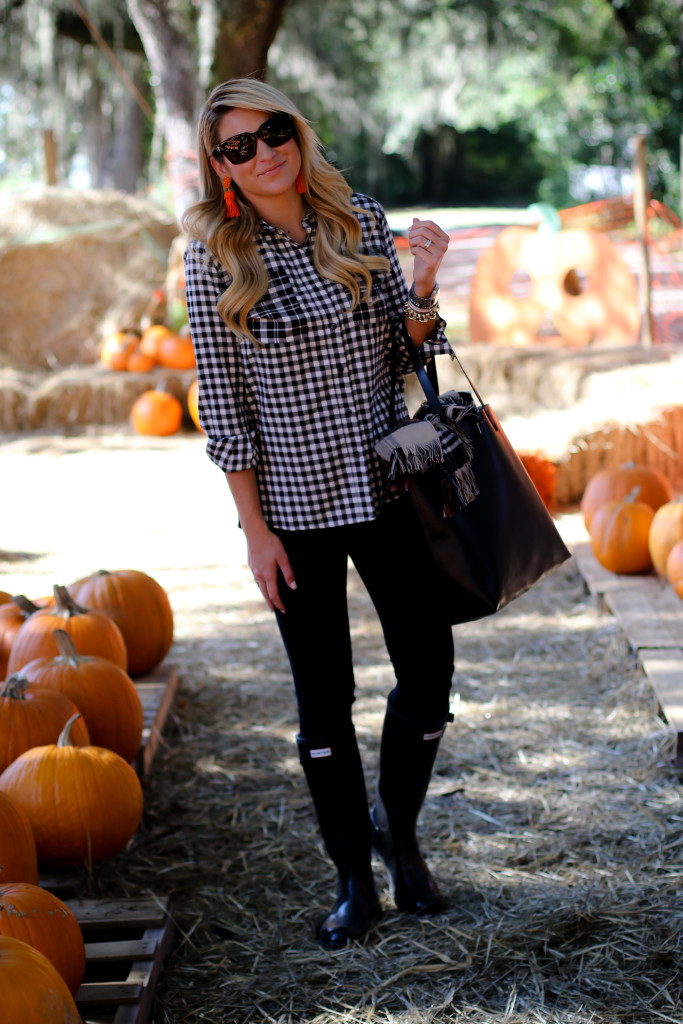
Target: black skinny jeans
(388,556)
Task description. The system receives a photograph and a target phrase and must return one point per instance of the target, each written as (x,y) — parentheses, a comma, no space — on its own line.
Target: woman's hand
(266,552)
(428,244)
(266,555)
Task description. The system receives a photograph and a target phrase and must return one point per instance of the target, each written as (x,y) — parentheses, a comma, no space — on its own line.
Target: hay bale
(75,266)
(15,389)
(85,396)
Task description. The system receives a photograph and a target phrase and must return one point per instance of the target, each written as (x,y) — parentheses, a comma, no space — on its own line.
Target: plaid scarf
(429,440)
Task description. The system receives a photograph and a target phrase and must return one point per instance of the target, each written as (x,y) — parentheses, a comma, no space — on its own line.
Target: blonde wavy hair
(336,253)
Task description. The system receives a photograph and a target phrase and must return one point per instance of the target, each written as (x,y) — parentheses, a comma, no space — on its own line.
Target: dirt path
(553,821)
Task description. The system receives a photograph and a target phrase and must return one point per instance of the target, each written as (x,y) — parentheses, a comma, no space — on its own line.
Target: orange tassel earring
(231,207)
(300,183)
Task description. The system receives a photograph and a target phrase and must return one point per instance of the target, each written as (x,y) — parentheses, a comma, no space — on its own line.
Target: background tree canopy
(449,102)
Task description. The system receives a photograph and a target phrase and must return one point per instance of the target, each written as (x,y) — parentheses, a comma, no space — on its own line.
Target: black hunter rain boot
(407,754)
(334,774)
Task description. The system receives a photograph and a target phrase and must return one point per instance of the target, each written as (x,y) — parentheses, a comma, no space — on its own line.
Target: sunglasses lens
(239,149)
(278,130)
(275,132)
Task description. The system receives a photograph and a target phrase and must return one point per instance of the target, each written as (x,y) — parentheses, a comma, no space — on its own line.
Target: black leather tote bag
(504,540)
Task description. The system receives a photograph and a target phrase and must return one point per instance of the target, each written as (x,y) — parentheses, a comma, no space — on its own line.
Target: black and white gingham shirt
(306,409)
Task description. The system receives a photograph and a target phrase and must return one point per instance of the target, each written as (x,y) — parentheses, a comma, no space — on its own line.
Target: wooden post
(50,149)
(640,214)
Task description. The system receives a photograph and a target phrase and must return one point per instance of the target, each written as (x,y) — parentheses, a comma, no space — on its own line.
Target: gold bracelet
(422,316)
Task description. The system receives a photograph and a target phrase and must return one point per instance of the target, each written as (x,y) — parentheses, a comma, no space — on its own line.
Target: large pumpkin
(18,857)
(33,715)
(674,568)
(139,606)
(611,484)
(619,535)
(13,615)
(156,413)
(84,803)
(104,694)
(92,633)
(666,530)
(38,917)
(33,990)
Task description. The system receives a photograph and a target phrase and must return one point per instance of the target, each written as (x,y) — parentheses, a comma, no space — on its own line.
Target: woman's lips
(271,170)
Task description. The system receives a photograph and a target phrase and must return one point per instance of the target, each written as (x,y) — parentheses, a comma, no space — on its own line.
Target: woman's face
(271,172)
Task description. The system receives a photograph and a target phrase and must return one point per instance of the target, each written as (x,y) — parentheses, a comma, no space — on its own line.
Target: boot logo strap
(432,735)
(321,752)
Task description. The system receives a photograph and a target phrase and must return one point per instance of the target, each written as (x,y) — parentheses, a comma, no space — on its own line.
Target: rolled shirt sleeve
(224,408)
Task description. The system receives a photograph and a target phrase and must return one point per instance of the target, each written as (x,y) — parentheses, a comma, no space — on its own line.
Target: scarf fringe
(405,461)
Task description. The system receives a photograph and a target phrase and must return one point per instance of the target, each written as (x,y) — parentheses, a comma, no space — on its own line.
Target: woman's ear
(218,167)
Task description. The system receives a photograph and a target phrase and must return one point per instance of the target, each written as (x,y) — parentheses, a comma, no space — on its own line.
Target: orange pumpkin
(619,535)
(33,990)
(13,615)
(674,568)
(138,362)
(151,338)
(117,348)
(157,413)
(140,608)
(91,631)
(666,530)
(31,716)
(176,352)
(18,857)
(84,803)
(103,693)
(612,484)
(193,403)
(38,917)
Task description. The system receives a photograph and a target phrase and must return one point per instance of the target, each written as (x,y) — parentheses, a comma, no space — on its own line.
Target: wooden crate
(157,693)
(126,945)
(651,617)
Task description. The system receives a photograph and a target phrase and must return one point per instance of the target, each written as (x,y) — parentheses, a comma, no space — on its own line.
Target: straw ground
(553,822)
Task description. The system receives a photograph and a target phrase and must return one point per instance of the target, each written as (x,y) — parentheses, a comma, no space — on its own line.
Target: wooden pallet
(126,945)
(651,617)
(157,693)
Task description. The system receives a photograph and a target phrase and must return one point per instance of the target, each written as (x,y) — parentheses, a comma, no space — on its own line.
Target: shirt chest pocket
(278,318)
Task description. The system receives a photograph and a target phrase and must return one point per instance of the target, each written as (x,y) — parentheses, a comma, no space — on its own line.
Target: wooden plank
(601,581)
(117,913)
(650,617)
(664,669)
(157,693)
(121,949)
(138,962)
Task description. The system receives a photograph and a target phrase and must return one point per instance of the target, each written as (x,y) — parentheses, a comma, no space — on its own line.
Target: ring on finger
(428,243)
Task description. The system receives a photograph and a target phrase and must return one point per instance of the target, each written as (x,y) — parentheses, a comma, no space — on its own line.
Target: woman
(298,311)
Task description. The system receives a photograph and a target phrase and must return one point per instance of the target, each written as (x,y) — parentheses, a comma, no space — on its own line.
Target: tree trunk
(170,46)
(246,28)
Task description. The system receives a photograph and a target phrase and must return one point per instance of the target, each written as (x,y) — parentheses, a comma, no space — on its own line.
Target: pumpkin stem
(66,646)
(14,687)
(65,735)
(65,602)
(26,606)
(634,494)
